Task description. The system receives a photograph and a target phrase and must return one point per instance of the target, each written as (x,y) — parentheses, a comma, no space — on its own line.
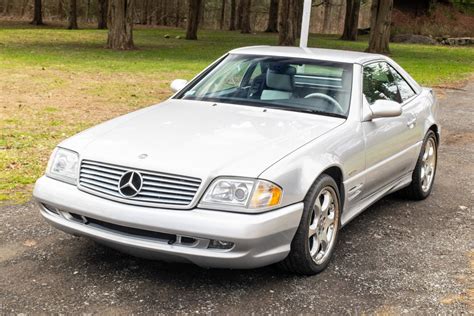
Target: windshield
(285,83)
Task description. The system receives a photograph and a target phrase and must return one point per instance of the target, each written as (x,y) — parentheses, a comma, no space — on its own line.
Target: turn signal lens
(266,194)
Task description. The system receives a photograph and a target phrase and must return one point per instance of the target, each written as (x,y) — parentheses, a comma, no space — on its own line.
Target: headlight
(63,165)
(242,194)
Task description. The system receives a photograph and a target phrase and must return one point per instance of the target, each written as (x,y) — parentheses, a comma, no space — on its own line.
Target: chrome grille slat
(167,186)
(107,191)
(157,189)
(100,184)
(112,171)
(177,192)
(102,165)
(158,195)
(101,179)
(152,178)
(100,174)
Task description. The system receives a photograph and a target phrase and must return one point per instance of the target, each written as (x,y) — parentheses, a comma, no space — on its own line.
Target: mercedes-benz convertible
(260,159)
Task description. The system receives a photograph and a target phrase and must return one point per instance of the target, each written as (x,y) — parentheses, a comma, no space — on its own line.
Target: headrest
(280,77)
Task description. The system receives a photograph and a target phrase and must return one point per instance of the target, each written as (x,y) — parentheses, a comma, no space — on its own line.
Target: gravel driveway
(397,257)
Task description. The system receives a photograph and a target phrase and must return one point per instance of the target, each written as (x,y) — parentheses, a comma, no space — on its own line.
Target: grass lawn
(56,82)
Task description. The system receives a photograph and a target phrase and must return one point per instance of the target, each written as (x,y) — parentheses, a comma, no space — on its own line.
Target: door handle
(411,122)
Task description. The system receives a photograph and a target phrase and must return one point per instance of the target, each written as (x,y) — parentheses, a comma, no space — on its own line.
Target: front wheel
(316,237)
(425,170)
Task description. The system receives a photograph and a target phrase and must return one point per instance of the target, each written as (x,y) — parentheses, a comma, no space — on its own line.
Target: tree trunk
(380,20)
(327,16)
(272,26)
(156,11)
(245,24)
(144,13)
(38,13)
(299,17)
(120,22)
(287,25)
(351,21)
(23,8)
(232,15)
(72,17)
(178,13)
(164,13)
(88,10)
(59,9)
(238,22)
(102,14)
(221,24)
(6,8)
(193,19)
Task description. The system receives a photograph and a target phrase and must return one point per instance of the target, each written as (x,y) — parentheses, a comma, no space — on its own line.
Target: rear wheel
(425,170)
(316,237)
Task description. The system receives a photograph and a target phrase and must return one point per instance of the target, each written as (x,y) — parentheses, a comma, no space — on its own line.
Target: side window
(406,92)
(379,83)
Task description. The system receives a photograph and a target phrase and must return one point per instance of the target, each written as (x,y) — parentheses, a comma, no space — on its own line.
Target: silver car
(260,159)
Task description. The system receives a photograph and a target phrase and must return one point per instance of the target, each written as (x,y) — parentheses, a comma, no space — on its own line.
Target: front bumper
(259,239)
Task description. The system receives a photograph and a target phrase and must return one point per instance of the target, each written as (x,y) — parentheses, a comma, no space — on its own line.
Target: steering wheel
(326,98)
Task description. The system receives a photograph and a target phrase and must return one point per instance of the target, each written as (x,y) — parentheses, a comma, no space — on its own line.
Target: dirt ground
(397,257)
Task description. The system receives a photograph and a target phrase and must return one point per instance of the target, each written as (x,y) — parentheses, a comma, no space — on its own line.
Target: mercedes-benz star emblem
(130,184)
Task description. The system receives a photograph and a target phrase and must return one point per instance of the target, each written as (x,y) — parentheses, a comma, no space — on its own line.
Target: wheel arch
(336,173)
(435,129)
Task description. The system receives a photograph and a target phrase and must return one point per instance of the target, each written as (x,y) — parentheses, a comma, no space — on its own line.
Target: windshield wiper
(266,105)
(305,110)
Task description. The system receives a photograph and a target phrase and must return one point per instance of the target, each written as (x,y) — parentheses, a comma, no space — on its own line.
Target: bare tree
(88,10)
(144,12)
(38,13)
(272,26)
(6,7)
(380,20)
(194,12)
(72,16)
(23,8)
(102,14)
(60,9)
(328,7)
(351,21)
(245,23)
(164,14)
(120,22)
(238,22)
(287,25)
(221,22)
(178,13)
(232,15)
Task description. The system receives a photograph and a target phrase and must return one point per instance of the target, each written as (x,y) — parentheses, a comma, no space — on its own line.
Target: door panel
(390,142)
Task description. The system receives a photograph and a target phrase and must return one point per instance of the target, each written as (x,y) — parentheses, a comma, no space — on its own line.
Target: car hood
(200,139)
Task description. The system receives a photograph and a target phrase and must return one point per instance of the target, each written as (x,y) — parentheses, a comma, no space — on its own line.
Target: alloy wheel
(321,234)
(428,166)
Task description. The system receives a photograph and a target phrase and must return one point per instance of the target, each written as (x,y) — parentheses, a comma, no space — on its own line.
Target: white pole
(305,24)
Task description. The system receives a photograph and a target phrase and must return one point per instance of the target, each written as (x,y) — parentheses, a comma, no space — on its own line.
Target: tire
(422,180)
(310,253)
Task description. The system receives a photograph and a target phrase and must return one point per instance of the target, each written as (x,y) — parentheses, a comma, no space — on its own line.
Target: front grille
(157,189)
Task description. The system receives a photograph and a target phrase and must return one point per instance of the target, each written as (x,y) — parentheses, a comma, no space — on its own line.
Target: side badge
(142,156)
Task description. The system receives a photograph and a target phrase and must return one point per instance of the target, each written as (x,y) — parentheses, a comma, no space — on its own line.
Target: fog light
(220,244)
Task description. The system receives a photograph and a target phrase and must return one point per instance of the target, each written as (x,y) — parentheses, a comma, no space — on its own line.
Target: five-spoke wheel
(321,229)
(425,170)
(428,165)
(316,237)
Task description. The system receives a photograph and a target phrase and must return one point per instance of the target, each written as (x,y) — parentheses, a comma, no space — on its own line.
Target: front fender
(343,147)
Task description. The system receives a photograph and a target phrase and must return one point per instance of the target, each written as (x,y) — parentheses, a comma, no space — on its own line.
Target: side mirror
(178,84)
(385,108)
